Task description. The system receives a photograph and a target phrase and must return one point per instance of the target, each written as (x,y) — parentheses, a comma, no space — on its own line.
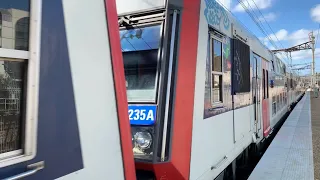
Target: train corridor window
(272,65)
(278,103)
(264,84)
(267,82)
(140,47)
(274,108)
(216,71)
(19,72)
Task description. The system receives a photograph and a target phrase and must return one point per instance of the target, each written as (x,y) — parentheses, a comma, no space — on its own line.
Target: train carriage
(63,107)
(210,88)
(196,87)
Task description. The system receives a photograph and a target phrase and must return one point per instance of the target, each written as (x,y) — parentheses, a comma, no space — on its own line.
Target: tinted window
(217,58)
(14,34)
(140,55)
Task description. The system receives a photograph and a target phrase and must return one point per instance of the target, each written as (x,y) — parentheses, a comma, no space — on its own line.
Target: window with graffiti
(217,97)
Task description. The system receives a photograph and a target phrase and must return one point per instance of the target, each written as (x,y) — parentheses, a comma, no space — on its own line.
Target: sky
(290,23)
(17,4)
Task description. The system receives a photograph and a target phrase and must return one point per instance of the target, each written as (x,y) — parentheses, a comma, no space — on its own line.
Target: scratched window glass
(216,88)
(217,58)
(14,24)
(12,75)
(140,56)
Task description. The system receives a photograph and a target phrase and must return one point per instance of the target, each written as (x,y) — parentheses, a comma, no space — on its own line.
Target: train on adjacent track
(202,90)
(117,89)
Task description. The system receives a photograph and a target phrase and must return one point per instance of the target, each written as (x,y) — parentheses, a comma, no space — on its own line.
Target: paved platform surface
(290,155)
(315,116)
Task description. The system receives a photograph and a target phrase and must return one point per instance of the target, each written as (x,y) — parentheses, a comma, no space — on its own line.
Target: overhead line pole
(313,58)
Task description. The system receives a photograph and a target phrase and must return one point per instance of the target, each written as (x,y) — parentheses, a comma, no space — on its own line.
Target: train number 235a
(140,114)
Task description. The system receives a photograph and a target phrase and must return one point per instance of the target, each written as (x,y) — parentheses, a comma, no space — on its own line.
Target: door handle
(32,169)
(219,163)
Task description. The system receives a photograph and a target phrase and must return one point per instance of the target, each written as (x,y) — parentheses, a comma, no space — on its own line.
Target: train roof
(231,26)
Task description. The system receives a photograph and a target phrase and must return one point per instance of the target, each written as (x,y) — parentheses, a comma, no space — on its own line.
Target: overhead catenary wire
(242,23)
(245,25)
(269,26)
(261,27)
(267,23)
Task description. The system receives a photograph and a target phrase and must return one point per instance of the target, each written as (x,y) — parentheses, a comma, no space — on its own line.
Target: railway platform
(290,156)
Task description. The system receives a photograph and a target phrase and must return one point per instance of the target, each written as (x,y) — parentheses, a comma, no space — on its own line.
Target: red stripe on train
(121,96)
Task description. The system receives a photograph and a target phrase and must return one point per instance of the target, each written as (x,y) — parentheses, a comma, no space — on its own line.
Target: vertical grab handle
(33,168)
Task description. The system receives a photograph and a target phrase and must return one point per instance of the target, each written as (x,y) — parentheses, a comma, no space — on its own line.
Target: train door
(69,120)
(257,93)
(265,97)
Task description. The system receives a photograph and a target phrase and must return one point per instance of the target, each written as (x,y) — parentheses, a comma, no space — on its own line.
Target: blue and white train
(117,89)
(60,115)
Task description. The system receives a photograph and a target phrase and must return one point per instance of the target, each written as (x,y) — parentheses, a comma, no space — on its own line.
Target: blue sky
(17,4)
(290,20)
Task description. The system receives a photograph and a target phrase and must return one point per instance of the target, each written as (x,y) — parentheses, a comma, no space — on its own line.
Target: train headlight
(143,139)
(142,142)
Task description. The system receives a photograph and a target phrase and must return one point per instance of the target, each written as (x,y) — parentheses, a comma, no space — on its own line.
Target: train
(60,114)
(202,90)
(115,89)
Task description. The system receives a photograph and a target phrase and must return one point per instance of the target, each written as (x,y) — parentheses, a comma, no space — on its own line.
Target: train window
(217,75)
(19,72)
(216,88)
(140,47)
(217,58)
(272,65)
(278,103)
(267,82)
(264,84)
(274,108)
(285,98)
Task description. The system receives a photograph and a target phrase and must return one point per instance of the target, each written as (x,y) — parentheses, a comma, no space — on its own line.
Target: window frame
(30,120)
(264,83)
(267,83)
(159,60)
(212,73)
(274,105)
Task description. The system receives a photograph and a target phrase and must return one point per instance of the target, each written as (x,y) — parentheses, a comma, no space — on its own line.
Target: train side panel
(91,57)
(78,134)
(219,133)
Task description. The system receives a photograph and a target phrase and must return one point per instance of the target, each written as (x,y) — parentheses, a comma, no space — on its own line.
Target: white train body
(197,88)
(201,127)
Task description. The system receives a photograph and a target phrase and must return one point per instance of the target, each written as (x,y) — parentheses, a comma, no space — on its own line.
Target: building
(14,29)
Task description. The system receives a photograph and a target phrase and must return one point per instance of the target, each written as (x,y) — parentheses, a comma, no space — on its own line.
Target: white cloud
(226,3)
(305,54)
(315,13)
(267,17)
(292,39)
(295,38)
(281,35)
(299,36)
(261,4)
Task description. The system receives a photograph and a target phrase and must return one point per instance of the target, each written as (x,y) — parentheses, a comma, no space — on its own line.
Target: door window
(19,72)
